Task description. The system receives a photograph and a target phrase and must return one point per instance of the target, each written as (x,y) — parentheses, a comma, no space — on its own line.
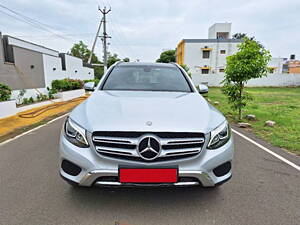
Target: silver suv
(146,124)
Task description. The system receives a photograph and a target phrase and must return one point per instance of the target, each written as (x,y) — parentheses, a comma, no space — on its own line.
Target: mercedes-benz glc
(146,124)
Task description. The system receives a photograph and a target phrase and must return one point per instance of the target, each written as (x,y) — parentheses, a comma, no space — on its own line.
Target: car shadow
(110,199)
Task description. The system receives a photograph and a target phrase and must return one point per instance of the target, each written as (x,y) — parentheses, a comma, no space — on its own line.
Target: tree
(249,62)
(167,56)
(239,36)
(126,59)
(111,59)
(81,50)
(187,69)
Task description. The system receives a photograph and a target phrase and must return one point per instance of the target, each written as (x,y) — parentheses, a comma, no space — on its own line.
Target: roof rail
(174,63)
(119,62)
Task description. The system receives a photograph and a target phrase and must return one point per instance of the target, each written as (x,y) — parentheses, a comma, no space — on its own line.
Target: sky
(141,29)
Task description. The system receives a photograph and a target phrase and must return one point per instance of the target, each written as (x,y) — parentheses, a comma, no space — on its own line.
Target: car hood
(146,111)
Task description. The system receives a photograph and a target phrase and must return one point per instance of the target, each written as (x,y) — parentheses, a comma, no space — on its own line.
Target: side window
(205,71)
(205,54)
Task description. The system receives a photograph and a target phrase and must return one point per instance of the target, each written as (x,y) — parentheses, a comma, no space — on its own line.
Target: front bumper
(94,167)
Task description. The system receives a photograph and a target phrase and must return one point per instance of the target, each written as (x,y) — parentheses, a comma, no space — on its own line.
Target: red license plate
(148,175)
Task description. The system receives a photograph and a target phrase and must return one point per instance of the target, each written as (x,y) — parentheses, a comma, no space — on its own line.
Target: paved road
(263,190)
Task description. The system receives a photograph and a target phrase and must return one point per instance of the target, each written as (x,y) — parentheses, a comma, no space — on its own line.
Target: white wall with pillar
(271,80)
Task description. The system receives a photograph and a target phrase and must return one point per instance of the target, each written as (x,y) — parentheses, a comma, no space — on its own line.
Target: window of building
(222,35)
(205,71)
(205,54)
(221,70)
(222,51)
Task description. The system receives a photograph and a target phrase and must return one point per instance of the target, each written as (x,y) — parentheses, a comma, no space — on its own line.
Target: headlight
(219,136)
(75,134)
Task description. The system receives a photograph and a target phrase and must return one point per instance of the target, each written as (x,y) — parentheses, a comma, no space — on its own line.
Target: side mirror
(202,89)
(89,86)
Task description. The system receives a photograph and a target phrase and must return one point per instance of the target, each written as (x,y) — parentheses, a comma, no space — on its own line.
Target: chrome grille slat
(180,151)
(123,145)
(182,141)
(131,152)
(115,139)
(182,154)
(112,141)
(114,152)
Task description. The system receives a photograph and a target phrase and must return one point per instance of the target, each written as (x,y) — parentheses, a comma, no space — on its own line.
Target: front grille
(123,145)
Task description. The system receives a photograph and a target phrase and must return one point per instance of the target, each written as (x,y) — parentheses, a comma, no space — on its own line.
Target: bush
(5,92)
(51,92)
(27,101)
(41,97)
(66,84)
(21,95)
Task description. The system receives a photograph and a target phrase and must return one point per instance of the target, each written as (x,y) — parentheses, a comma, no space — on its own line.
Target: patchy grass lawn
(281,105)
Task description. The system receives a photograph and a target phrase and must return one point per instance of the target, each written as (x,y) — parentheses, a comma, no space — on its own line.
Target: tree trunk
(240,100)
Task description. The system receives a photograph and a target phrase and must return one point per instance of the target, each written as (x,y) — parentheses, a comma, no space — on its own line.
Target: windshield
(146,78)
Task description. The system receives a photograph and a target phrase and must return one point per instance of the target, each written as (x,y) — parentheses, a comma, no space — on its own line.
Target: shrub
(41,97)
(67,84)
(5,92)
(21,95)
(27,101)
(51,92)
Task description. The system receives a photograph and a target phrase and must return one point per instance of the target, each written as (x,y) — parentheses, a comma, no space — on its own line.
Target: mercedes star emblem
(149,148)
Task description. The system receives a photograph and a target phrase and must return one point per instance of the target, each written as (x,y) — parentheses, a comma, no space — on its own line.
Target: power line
(29,21)
(124,38)
(116,41)
(51,35)
(26,17)
(119,41)
(119,33)
(18,18)
(95,41)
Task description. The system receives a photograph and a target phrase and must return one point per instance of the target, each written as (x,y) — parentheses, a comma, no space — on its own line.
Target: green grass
(281,105)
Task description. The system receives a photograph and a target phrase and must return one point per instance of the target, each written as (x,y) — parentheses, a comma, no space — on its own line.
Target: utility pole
(94,44)
(104,11)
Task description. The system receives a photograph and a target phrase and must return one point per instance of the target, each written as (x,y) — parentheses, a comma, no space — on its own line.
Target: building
(276,65)
(207,56)
(292,65)
(25,65)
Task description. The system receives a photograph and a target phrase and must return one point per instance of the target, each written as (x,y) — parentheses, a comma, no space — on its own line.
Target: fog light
(70,168)
(222,169)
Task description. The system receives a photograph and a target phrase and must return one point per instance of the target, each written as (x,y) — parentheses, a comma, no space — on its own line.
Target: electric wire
(30,21)
(25,17)
(123,35)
